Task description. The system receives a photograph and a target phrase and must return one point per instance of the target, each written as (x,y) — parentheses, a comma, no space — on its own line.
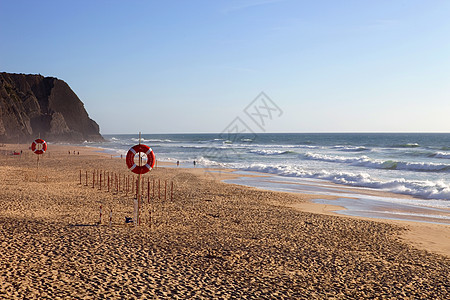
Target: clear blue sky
(193,66)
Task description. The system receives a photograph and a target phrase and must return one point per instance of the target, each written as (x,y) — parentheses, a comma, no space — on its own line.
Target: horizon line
(296,132)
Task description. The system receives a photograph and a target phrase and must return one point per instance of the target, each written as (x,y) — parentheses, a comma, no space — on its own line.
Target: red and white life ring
(150,159)
(36,149)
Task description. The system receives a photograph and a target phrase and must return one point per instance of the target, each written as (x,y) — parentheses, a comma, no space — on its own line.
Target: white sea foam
(365,161)
(424,189)
(151,140)
(407,145)
(445,155)
(269,152)
(205,162)
(350,148)
(258,146)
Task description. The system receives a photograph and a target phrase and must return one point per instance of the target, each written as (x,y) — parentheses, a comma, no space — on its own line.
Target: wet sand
(213,240)
(357,201)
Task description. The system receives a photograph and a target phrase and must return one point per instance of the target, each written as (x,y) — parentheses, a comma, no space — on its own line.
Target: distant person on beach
(194,163)
(69,152)
(178,163)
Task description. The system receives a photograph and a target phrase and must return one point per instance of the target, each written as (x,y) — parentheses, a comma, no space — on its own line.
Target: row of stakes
(116,183)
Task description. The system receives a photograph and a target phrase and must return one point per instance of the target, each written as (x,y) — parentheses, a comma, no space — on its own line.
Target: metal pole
(139,184)
(139,197)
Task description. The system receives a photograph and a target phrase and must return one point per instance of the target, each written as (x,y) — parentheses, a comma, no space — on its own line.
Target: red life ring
(150,159)
(40,142)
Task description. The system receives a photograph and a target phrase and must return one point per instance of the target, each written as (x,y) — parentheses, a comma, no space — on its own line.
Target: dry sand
(213,240)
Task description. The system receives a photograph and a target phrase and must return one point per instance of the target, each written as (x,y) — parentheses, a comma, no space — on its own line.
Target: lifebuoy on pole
(39,146)
(141,148)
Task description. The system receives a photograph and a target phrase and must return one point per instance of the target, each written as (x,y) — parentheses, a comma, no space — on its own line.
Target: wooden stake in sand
(135,211)
(148,191)
(165,190)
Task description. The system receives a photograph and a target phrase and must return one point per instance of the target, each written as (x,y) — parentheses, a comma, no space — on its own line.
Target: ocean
(415,164)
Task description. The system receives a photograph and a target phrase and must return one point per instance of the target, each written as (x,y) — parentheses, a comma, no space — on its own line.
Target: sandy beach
(212,240)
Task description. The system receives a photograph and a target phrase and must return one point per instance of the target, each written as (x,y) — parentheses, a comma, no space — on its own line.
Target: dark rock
(33,104)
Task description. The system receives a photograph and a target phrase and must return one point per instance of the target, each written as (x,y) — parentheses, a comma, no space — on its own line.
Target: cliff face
(32,104)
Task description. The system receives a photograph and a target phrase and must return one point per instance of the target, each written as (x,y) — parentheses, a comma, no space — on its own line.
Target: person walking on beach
(194,163)
(178,163)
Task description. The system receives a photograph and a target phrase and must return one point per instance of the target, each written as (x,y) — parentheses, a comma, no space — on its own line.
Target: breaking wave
(270,152)
(445,155)
(351,148)
(407,145)
(424,189)
(365,161)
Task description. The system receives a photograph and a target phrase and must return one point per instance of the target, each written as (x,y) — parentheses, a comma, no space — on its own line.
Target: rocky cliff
(33,104)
